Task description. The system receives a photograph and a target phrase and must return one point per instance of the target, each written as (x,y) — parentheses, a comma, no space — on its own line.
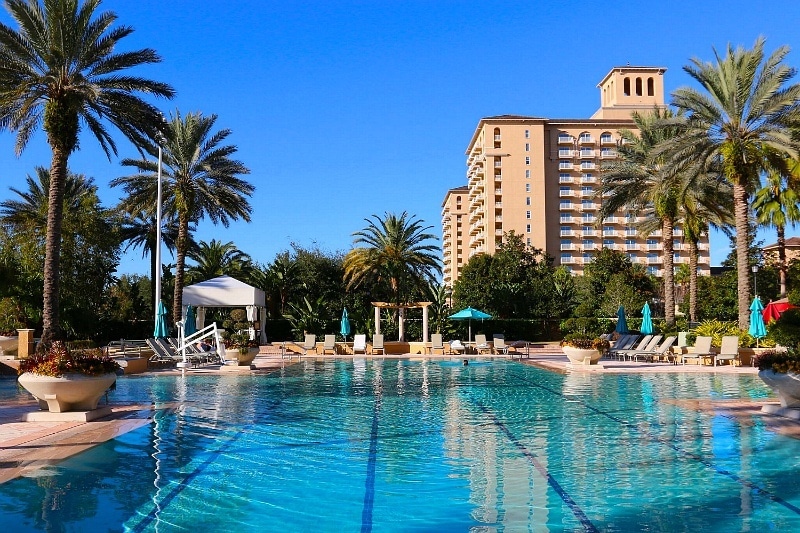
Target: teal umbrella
(622,323)
(345,329)
(647,320)
(468,314)
(757,328)
(190,324)
(161,331)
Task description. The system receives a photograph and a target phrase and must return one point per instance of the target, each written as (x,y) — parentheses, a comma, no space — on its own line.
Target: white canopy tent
(225,291)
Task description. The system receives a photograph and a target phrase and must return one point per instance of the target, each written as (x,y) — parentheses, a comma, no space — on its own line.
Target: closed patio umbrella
(622,323)
(345,325)
(757,328)
(189,325)
(468,314)
(161,331)
(647,320)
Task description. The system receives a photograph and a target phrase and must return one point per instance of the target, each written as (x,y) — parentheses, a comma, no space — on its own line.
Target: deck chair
(377,344)
(660,351)
(160,355)
(310,343)
(360,344)
(649,346)
(481,346)
(437,343)
(729,350)
(499,344)
(630,344)
(329,345)
(702,350)
(456,347)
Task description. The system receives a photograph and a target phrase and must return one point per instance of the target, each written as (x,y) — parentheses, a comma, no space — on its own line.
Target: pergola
(225,291)
(402,315)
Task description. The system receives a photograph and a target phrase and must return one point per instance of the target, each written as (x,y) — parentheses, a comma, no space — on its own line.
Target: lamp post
(754,268)
(158,237)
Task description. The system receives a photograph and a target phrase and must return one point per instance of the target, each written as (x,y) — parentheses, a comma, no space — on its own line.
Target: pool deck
(26,447)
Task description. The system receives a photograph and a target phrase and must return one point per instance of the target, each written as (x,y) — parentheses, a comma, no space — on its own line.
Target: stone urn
(242,359)
(9,344)
(70,392)
(582,356)
(785,385)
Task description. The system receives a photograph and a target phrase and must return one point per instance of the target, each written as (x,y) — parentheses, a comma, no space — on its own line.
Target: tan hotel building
(538,176)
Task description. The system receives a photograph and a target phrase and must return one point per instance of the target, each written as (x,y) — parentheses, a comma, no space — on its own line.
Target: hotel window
(565,204)
(527,134)
(587,191)
(608,243)
(527,160)
(527,214)
(587,258)
(527,147)
(650,90)
(606,138)
(566,258)
(588,230)
(528,200)
(527,173)
(527,187)
(565,217)
(588,217)
(653,271)
(527,228)
(587,204)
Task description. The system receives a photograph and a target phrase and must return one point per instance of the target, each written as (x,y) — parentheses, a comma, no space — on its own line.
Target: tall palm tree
(200,179)
(743,121)
(30,211)
(397,252)
(216,259)
(637,182)
(60,72)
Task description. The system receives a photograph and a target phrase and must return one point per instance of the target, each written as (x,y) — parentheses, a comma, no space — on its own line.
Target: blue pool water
(390,445)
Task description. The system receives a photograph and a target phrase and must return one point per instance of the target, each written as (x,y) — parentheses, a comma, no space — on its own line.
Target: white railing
(205,333)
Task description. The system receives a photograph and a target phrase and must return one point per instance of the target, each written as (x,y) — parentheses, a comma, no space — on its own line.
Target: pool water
(386,445)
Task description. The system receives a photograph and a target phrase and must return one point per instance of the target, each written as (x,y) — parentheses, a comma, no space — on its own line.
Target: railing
(205,333)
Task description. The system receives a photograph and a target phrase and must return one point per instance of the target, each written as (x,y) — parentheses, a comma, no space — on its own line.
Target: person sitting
(205,345)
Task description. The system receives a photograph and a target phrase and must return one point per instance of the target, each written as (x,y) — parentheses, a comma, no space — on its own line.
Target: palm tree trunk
(667,229)
(180,261)
(741,212)
(694,254)
(52,255)
(782,258)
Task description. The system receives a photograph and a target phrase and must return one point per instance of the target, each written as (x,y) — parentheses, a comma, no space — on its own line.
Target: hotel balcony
(498,232)
(565,179)
(498,177)
(565,152)
(607,153)
(567,193)
(590,206)
(587,152)
(588,219)
(571,261)
(565,165)
(570,220)
(498,204)
(589,247)
(653,260)
(498,138)
(589,233)
(568,247)
(632,247)
(588,165)
(498,192)
(609,233)
(498,163)
(566,139)
(607,139)
(567,232)
(656,246)
(585,139)
(567,206)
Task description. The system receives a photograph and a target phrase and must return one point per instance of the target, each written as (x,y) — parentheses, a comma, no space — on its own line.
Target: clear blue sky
(344,109)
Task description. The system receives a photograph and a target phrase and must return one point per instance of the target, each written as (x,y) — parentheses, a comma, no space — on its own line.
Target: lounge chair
(729,350)
(437,343)
(481,346)
(625,342)
(377,344)
(160,355)
(660,351)
(651,345)
(310,343)
(499,344)
(360,344)
(457,347)
(701,350)
(329,345)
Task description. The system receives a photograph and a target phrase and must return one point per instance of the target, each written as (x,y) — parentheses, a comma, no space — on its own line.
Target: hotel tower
(538,176)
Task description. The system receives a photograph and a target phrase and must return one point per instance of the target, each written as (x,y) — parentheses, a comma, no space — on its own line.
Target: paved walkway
(27,446)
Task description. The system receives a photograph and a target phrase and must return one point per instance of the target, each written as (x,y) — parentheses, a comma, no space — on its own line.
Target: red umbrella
(774,309)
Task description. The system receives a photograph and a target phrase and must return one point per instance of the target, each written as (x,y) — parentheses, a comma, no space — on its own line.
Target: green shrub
(786,330)
(779,361)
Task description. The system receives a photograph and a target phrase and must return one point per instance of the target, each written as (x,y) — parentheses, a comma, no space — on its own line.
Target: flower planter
(9,345)
(582,356)
(786,386)
(70,392)
(241,359)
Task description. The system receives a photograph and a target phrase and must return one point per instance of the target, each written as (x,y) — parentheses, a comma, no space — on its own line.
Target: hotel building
(538,176)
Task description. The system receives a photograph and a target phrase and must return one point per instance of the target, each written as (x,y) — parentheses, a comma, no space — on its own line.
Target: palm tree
(60,72)
(743,122)
(397,253)
(30,211)
(216,259)
(637,182)
(140,231)
(776,206)
(200,179)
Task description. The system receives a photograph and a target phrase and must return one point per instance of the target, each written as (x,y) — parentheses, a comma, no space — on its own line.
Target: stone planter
(241,359)
(786,386)
(9,345)
(70,392)
(582,356)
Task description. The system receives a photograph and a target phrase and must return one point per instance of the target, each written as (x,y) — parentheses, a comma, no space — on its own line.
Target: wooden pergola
(402,316)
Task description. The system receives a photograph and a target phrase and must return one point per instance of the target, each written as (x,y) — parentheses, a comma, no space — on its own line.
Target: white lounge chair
(329,345)
(436,343)
(729,350)
(457,347)
(701,350)
(499,344)
(377,343)
(481,346)
(360,344)
(660,351)
(310,343)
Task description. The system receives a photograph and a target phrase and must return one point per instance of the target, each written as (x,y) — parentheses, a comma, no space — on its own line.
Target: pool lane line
(670,444)
(531,457)
(372,459)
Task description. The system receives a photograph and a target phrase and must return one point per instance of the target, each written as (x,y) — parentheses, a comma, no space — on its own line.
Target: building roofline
(659,70)
(500,118)
(455,190)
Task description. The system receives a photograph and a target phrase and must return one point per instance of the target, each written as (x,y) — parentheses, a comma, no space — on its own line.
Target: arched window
(626,86)
(650,87)
(638,86)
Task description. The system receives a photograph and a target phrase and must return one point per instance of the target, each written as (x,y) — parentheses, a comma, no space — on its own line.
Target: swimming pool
(386,445)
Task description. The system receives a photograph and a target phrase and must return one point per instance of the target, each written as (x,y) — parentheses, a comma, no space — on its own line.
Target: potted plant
(582,350)
(9,324)
(236,338)
(780,370)
(64,380)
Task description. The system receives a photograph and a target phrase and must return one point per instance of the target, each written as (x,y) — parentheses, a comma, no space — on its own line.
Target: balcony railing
(607,139)
(565,179)
(587,152)
(566,139)
(568,247)
(566,193)
(567,232)
(565,152)
(564,165)
(588,165)
(585,139)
